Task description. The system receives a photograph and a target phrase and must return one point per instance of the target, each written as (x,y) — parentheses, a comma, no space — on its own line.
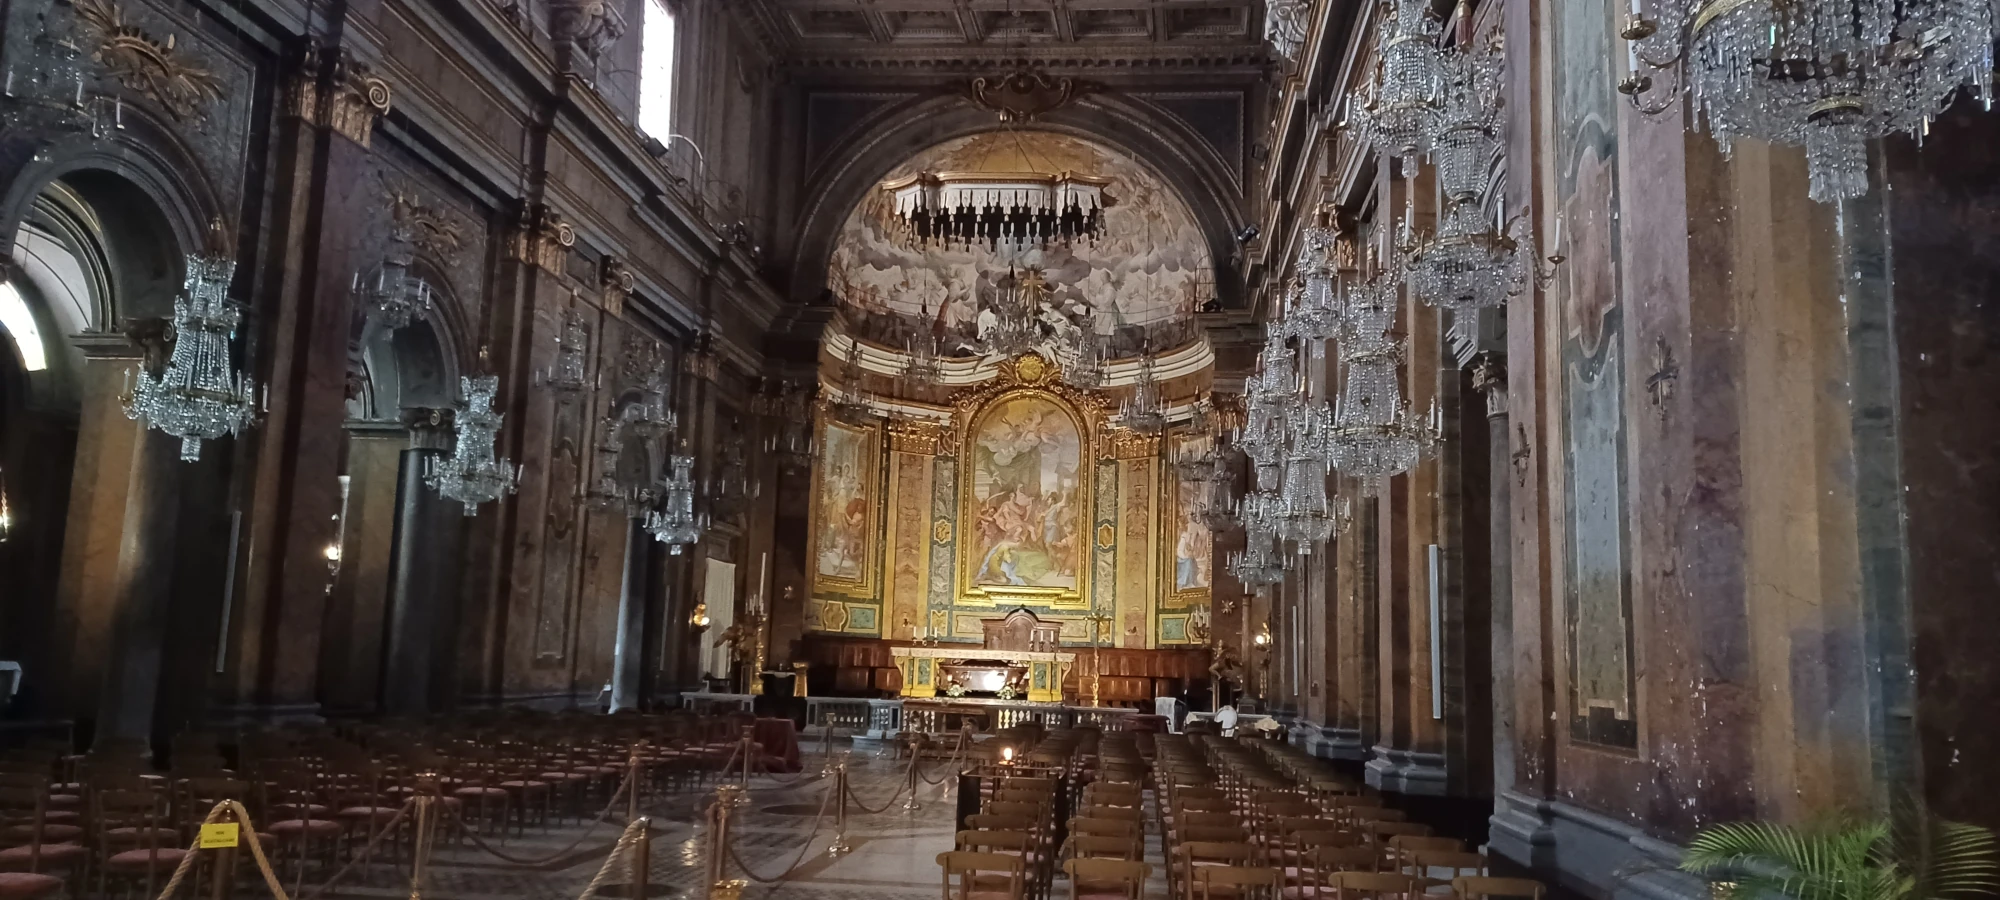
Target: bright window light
(656,71)
(20,325)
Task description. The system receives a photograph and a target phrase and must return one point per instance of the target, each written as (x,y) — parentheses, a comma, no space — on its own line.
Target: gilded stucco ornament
(147,66)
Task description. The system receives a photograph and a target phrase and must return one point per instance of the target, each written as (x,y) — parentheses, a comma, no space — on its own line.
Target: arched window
(656,70)
(19,323)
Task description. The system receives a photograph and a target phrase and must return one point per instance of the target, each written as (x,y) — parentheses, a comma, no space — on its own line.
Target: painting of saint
(1026,467)
(844,504)
(1192,556)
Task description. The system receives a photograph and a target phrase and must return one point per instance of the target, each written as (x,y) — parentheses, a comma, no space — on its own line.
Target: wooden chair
(37,843)
(1020,842)
(1192,855)
(1106,879)
(1102,846)
(1482,888)
(1424,864)
(1373,886)
(133,838)
(982,876)
(1233,882)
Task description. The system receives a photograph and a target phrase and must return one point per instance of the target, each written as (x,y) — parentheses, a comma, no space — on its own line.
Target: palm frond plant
(1923,859)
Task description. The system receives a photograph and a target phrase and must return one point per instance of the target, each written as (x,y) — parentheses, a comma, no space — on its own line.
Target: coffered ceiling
(1107,32)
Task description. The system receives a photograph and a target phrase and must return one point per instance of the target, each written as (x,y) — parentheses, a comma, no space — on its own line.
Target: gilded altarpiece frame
(1025,547)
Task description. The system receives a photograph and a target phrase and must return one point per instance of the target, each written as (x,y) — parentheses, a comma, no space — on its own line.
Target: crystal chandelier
(1286,26)
(792,441)
(1314,315)
(924,366)
(1374,435)
(393,296)
(1218,507)
(1083,365)
(616,490)
(1142,411)
(675,522)
(1826,75)
(46,90)
(1020,210)
(473,475)
(849,403)
(199,395)
(570,373)
(1470,263)
(1259,562)
(1397,111)
(1009,328)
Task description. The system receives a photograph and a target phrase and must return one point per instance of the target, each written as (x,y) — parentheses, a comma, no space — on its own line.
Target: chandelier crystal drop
(1398,110)
(1825,75)
(1143,411)
(1469,264)
(1467,141)
(199,395)
(472,474)
(675,523)
(570,373)
(1017,209)
(1259,562)
(1314,315)
(391,295)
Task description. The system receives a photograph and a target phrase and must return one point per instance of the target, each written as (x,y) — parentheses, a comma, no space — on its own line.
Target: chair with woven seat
(1106,879)
(1102,846)
(1192,855)
(1487,887)
(983,876)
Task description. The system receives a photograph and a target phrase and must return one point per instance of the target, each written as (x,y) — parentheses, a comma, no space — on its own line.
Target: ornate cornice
(1024,94)
(432,230)
(929,438)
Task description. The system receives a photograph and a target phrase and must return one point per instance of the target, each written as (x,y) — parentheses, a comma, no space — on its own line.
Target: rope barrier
(627,840)
(366,850)
(818,819)
(951,763)
(901,785)
(477,841)
(256,851)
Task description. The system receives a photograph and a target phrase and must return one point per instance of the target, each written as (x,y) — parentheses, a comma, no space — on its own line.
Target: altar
(1018,659)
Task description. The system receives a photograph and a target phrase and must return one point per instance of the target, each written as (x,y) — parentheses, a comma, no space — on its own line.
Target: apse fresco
(1138,282)
(1026,471)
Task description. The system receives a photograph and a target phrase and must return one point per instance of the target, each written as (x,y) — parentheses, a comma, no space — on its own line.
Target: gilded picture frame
(848,562)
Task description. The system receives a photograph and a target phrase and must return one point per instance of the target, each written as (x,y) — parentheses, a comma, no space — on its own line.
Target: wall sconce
(1263,638)
(698,620)
(1006,756)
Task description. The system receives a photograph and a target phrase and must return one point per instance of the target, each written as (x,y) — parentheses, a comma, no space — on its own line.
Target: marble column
(628,663)
(423,563)
(351,652)
(142,584)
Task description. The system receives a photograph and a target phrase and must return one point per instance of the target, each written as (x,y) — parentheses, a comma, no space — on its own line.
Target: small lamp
(698,620)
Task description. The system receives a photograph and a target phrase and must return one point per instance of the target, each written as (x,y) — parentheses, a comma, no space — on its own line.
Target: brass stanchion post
(911,805)
(721,887)
(224,873)
(839,847)
(642,867)
(633,774)
(420,852)
(749,751)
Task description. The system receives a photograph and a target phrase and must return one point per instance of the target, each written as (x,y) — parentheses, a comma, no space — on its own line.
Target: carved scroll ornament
(148,66)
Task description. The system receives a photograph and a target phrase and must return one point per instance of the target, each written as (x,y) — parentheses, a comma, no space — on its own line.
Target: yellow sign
(219,835)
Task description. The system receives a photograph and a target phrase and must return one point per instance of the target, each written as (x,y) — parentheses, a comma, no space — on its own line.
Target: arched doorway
(392,611)
(116,546)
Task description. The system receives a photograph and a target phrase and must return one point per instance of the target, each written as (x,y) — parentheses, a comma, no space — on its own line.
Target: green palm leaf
(1846,860)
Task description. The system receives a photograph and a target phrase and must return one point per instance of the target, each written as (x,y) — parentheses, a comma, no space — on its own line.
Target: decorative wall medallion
(941,531)
(592,26)
(147,66)
(358,100)
(1107,536)
(431,229)
(1022,96)
(1031,369)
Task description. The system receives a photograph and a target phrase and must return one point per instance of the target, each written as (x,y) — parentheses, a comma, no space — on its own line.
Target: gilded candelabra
(1097,621)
